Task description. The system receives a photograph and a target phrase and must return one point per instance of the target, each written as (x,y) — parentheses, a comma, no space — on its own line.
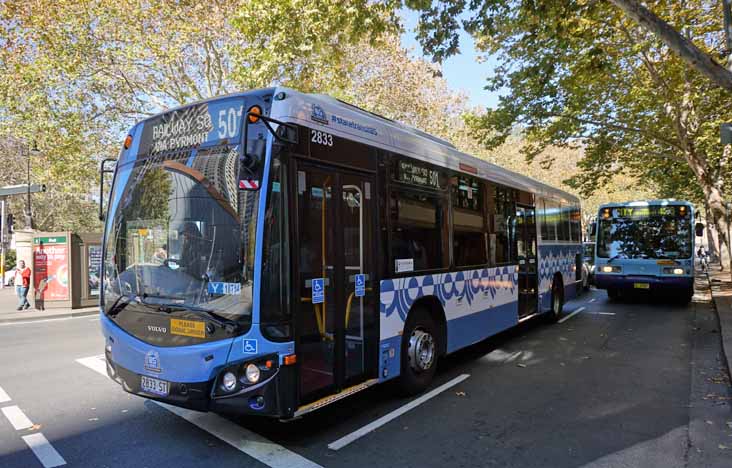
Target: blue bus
(271,252)
(646,246)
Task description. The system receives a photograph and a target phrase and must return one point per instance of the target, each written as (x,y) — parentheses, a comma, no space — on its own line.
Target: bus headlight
(673,271)
(228,382)
(252,373)
(610,269)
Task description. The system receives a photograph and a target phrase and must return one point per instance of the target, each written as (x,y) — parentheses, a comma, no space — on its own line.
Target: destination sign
(410,172)
(638,212)
(192,127)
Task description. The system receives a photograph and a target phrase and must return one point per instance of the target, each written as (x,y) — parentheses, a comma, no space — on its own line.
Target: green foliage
(581,73)
(10,259)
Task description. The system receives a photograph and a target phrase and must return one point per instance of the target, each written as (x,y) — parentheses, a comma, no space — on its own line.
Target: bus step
(333,398)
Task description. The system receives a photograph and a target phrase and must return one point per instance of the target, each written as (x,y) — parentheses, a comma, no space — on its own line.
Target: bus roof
(343,119)
(348,121)
(660,202)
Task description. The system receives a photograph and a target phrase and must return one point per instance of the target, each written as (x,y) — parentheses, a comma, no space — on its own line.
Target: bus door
(528,277)
(335,306)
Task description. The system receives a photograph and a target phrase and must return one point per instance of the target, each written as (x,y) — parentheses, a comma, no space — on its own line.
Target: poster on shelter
(94,268)
(51,268)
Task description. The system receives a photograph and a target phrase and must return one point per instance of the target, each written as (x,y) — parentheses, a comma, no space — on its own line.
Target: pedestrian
(22,284)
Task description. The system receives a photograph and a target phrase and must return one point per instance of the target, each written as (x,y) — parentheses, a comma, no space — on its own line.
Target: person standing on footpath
(22,284)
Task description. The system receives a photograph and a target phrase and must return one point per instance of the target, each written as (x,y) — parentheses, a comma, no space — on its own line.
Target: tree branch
(684,48)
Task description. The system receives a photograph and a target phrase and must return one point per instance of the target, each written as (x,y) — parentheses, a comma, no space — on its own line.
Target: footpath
(9,314)
(721,285)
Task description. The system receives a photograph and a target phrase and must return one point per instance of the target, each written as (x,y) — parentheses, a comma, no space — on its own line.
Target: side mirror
(699,228)
(102,171)
(593,230)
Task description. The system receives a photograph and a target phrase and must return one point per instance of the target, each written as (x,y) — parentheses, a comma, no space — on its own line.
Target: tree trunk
(719,217)
(712,238)
(684,48)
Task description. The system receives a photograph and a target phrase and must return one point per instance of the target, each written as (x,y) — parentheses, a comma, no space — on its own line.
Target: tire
(557,304)
(420,348)
(688,295)
(613,294)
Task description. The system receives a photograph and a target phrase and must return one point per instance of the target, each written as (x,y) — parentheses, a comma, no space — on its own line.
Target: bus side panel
(555,258)
(477,304)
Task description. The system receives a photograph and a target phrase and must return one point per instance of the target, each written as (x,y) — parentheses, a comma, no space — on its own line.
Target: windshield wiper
(230,326)
(117,306)
(613,258)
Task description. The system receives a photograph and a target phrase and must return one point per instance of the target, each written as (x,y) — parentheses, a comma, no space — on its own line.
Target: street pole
(3,228)
(729,242)
(727,9)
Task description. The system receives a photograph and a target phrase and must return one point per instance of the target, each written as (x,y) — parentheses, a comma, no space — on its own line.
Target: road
(632,383)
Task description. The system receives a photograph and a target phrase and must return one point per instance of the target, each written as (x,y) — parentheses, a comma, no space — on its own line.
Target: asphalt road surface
(631,383)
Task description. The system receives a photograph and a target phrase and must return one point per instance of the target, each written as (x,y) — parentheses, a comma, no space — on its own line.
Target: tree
(75,75)
(581,73)
(680,45)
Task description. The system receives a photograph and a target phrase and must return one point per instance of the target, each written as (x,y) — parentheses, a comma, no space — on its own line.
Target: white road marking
(562,320)
(345,440)
(252,444)
(4,397)
(600,313)
(592,300)
(246,441)
(43,449)
(17,418)
(96,363)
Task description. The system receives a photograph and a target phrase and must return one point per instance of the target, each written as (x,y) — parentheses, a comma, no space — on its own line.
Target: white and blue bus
(646,246)
(272,252)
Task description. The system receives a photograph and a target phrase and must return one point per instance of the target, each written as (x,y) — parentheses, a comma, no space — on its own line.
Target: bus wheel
(419,352)
(613,294)
(687,295)
(557,300)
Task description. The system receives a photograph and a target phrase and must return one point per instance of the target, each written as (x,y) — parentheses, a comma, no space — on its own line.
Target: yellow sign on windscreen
(191,328)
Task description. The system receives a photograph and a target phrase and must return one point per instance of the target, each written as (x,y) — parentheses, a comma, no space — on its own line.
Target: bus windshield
(645,232)
(182,233)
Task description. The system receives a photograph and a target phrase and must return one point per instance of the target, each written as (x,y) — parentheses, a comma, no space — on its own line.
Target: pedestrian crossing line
(250,443)
(96,363)
(4,397)
(16,417)
(44,451)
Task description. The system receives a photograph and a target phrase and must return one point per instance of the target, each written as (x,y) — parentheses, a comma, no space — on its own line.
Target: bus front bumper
(262,399)
(641,282)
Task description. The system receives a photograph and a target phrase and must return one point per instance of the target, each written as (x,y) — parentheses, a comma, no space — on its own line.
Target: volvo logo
(156,329)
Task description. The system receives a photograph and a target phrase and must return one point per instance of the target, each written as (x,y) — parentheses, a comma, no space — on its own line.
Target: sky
(462,71)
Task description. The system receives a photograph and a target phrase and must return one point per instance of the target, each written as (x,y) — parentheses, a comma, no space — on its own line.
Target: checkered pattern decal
(556,258)
(461,293)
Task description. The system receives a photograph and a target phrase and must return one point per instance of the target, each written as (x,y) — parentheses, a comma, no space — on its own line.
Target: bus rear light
(290,360)
(128,142)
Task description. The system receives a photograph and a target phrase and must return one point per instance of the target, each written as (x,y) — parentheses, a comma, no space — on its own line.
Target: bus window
(468,207)
(416,223)
(563,231)
(549,221)
(504,227)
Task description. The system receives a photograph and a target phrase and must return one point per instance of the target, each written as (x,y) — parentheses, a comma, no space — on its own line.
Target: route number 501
(321,138)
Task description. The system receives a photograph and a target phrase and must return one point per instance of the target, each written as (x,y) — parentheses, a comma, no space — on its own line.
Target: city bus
(646,246)
(272,252)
